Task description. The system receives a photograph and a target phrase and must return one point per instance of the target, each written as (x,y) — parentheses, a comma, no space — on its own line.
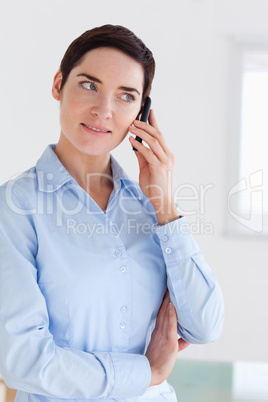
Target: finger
(153,143)
(152,119)
(170,323)
(141,160)
(162,311)
(166,295)
(165,316)
(153,131)
(182,344)
(166,300)
(148,154)
(164,305)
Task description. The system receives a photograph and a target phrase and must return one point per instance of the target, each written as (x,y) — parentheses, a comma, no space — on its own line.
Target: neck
(91,172)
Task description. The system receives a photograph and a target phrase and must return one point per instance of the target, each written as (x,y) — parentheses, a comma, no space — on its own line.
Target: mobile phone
(144,115)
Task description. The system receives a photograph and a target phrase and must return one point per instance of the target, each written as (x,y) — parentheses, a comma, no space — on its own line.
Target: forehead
(111,64)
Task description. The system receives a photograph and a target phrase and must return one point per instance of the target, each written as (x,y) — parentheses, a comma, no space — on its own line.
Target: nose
(102,108)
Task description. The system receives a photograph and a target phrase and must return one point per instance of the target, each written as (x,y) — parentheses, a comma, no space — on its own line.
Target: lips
(95,130)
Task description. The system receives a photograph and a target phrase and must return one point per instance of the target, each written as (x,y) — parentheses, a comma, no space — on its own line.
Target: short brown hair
(115,36)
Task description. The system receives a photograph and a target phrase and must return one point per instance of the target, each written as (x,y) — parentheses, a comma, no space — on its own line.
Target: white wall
(191,95)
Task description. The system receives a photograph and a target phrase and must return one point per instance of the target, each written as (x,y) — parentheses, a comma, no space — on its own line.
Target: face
(100,99)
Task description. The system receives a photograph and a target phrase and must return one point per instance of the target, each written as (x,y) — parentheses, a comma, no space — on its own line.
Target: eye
(88,85)
(128,97)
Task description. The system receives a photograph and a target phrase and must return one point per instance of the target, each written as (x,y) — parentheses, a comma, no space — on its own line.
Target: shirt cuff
(132,375)
(176,240)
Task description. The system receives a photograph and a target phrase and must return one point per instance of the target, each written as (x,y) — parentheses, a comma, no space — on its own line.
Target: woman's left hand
(156,165)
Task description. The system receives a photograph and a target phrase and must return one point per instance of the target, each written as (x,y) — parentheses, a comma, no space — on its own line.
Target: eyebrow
(90,77)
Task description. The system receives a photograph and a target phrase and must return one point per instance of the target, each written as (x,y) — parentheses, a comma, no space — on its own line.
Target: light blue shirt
(80,289)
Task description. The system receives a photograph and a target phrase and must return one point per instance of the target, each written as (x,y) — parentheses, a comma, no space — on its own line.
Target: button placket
(114,230)
(124,281)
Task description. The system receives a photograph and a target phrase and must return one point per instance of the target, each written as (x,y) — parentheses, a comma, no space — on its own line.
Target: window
(248,190)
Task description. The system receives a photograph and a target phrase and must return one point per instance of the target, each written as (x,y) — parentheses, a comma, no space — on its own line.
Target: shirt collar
(119,175)
(52,175)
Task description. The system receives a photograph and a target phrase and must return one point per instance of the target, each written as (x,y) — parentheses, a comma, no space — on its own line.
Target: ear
(56,85)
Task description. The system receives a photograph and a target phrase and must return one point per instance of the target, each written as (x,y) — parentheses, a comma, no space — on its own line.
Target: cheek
(128,118)
(124,122)
(69,108)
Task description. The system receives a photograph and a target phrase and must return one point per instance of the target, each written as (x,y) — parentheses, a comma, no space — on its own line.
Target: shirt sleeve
(192,284)
(29,358)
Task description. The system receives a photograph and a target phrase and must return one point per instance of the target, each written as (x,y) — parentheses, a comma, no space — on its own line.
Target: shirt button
(123,309)
(122,325)
(50,176)
(164,238)
(117,253)
(123,269)
(168,250)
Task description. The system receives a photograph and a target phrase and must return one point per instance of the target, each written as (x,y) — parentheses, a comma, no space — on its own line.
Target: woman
(98,273)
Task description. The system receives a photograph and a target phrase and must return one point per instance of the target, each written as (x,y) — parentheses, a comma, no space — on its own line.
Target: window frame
(257,224)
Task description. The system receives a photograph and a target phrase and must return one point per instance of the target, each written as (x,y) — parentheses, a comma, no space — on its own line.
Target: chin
(93,150)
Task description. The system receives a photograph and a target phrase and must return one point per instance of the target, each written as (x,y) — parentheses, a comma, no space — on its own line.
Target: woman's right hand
(164,344)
